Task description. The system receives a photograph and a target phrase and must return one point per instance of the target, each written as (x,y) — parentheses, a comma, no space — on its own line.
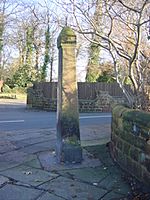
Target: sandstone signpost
(68,147)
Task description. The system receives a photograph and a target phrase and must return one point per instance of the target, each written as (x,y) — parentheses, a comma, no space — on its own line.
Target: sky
(82,59)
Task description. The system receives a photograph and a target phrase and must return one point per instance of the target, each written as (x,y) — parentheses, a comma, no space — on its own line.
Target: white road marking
(89,117)
(12,121)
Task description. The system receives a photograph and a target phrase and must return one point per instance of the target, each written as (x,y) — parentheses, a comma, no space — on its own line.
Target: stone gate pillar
(68,134)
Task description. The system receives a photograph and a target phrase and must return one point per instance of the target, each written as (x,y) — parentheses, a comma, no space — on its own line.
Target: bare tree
(122,37)
(7,10)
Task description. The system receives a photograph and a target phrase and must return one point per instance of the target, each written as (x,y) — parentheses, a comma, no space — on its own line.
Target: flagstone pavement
(29,171)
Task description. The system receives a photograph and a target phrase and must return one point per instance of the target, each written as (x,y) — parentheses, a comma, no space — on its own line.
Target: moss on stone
(66,36)
(138,117)
(72,140)
(70,126)
(118,110)
(67,31)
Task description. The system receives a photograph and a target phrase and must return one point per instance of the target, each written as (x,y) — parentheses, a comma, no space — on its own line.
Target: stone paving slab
(30,140)
(72,189)
(48,196)
(28,175)
(91,175)
(35,163)
(49,162)
(15,157)
(13,192)
(6,146)
(44,146)
(113,196)
(95,135)
(29,166)
(3,180)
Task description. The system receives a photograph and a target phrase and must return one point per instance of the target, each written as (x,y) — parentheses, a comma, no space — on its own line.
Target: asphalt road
(17,117)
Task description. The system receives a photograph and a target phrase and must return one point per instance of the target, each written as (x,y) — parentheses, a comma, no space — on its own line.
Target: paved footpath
(28,170)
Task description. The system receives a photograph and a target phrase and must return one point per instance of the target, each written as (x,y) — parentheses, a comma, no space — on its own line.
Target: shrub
(6,89)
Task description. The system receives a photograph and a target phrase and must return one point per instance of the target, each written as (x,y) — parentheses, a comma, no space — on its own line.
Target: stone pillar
(68,148)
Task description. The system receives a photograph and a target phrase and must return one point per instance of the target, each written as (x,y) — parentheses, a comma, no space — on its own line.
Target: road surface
(15,116)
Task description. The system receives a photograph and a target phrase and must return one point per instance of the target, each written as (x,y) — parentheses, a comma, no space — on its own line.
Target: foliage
(6,89)
(27,44)
(93,63)
(22,77)
(46,56)
(106,73)
(94,49)
(105,77)
(18,90)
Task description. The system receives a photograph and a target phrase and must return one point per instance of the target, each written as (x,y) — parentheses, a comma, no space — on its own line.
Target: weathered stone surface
(91,136)
(29,175)
(15,157)
(48,196)
(145,177)
(49,162)
(120,144)
(6,146)
(113,196)
(130,141)
(35,163)
(115,183)
(147,163)
(145,133)
(68,132)
(3,180)
(91,175)
(140,143)
(12,192)
(43,146)
(134,153)
(72,189)
(72,153)
(81,181)
(126,148)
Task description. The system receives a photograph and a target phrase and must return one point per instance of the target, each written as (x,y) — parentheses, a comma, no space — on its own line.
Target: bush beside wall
(130,141)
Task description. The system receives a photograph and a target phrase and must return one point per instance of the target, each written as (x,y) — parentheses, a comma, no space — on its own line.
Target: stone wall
(130,144)
(37,99)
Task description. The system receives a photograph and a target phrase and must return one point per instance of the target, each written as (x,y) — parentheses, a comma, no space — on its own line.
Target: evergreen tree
(94,49)
(46,56)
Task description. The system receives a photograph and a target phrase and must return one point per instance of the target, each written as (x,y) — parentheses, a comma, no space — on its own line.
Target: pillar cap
(66,36)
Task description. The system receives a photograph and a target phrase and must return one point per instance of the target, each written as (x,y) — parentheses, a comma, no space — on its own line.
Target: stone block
(128,137)
(147,147)
(126,148)
(122,134)
(134,168)
(140,143)
(114,139)
(132,149)
(146,177)
(137,170)
(120,144)
(129,165)
(72,153)
(134,153)
(121,158)
(120,124)
(147,163)
(127,126)
(145,134)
